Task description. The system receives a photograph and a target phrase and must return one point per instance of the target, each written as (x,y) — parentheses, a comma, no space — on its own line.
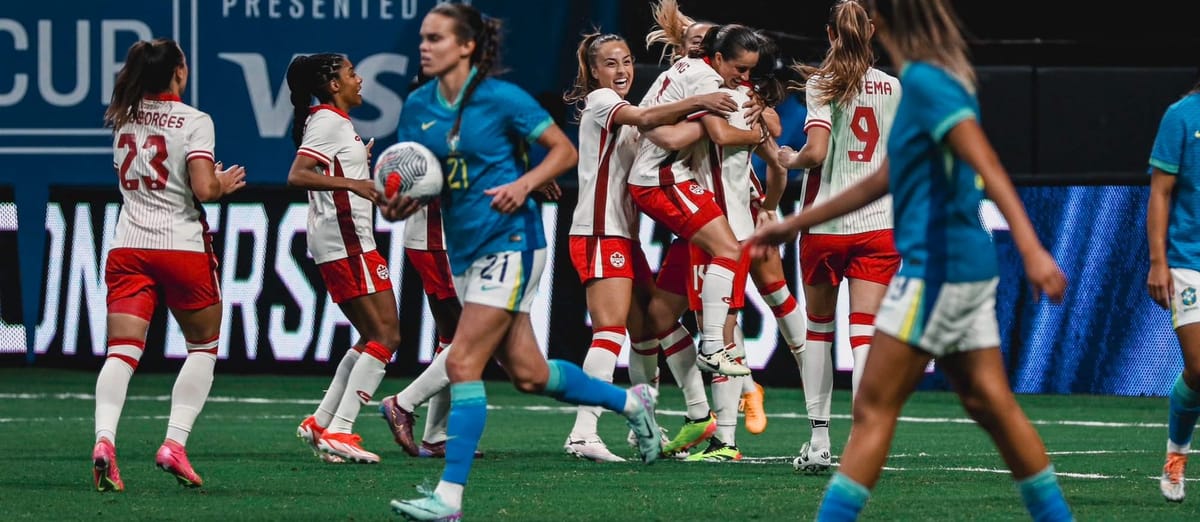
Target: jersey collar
(329,107)
(458,99)
(164,96)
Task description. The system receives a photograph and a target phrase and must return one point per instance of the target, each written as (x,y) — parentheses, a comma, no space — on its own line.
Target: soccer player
(604,250)
(850,110)
(941,304)
(494,239)
(1171,230)
(333,164)
(163,155)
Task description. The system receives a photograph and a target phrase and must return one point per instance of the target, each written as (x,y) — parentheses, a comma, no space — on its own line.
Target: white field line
(572,409)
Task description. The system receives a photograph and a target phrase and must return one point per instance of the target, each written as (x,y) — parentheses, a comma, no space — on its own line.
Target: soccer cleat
(437,450)
(400,421)
(347,446)
(592,449)
(310,432)
(717,451)
(692,433)
(105,474)
(172,458)
(641,421)
(429,507)
(752,405)
(812,460)
(721,362)
(1171,483)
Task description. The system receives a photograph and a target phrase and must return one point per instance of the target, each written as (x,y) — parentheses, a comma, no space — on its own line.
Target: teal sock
(568,383)
(844,499)
(1043,497)
(468,414)
(1185,408)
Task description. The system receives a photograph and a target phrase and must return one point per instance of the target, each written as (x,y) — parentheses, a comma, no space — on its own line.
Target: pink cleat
(172,458)
(104,467)
(400,421)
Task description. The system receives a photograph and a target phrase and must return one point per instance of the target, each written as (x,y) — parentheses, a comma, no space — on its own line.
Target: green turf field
(1108,451)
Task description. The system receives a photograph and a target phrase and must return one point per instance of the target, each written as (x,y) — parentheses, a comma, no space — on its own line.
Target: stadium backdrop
(58,202)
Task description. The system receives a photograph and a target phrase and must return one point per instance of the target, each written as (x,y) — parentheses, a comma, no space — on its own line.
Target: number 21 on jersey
(458,178)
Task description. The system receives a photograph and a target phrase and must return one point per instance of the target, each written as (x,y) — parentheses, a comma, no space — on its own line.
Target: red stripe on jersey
(328,107)
(321,158)
(812,186)
(612,116)
(433,226)
(208,248)
(762,194)
(200,154)
(818,123)
(715,157)
(600,206)
(666,176)
(166,96)
(345,214)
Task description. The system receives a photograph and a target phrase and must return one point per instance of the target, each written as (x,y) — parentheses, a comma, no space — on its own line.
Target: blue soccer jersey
(1177,151)
(935,194)
(498,122)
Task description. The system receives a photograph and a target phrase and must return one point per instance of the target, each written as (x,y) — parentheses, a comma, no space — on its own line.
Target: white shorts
(1184,307)
(962,316)
(506,280)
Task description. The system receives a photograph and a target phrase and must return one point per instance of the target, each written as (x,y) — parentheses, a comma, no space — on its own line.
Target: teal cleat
(641,421)
(429,507)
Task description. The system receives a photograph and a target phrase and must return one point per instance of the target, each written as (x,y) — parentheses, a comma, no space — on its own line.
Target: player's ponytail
(670,29)
(149,68)
(764,77)
(586,54)
(309,77)
(471,25)
(841,73)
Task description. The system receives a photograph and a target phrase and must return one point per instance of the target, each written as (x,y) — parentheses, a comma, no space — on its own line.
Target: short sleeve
(603,104)
(1167,153)
(942,102)
(526,116)
(819,113)
(320,138)
(408,119)
(200,138)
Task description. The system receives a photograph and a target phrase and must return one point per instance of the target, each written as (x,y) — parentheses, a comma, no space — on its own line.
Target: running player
(850,110)
(163,155)
(941,304)
(495,240)
(333,164)
(1175,268)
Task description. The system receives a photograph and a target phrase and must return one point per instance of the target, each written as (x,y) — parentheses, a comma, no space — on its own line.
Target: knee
(982,409)
(870,410)
(1191,372)
(528,385)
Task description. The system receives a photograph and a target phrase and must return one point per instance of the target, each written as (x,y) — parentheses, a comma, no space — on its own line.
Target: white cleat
(812,460)
(1171,483)
(722,363)
(591,448)
(347,446)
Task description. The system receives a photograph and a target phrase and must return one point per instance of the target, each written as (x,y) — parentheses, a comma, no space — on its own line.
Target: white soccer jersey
(339,221)
(150,154)
(726,172)
(857,147)
(423,229)
(605,155)
(655,166)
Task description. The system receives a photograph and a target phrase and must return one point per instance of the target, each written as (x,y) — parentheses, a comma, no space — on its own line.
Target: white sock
(643,362)
(113,384)
(680,351)
(727,391)
(862,329)
(337,387)
(818,373)
(360,386)
(429,383)
(717,289)
(191,389)
(438,412)
(789,317)
(450,493)
(600,362)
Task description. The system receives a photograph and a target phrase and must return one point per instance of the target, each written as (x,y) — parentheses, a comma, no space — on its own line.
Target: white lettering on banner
(109,65)
(47,327)
(273,113)
(85,279)
(318,9)
(10,332)
(82,63)
(20,80)
(243,292)
(175,346)
(292,345)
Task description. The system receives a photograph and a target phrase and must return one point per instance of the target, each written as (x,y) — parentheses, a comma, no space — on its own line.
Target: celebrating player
(333,164)
(163,155)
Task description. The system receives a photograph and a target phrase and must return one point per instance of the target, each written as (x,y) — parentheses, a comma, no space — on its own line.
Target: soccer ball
(410,169)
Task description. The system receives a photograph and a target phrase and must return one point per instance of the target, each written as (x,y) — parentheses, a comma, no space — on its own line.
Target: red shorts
(684,208)
(676,269)
(135,277)
(869,256)
(434,268)
(355,276)
(698,265)
(604,257)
